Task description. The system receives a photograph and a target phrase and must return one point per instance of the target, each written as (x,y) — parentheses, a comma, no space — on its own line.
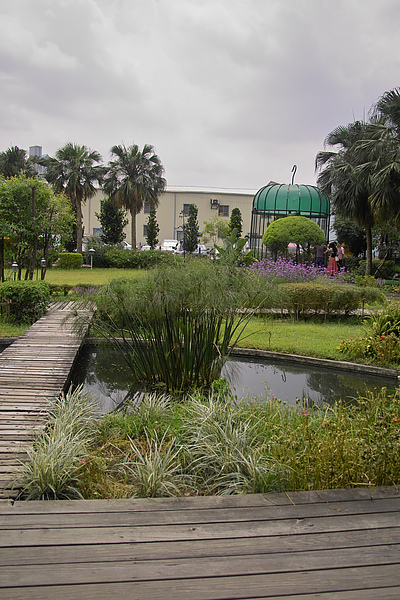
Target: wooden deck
(33,370)
(332,545)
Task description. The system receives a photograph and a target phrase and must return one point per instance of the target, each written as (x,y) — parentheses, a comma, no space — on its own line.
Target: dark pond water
(105,375)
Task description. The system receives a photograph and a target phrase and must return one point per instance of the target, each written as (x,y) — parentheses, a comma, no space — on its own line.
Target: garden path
(34,369)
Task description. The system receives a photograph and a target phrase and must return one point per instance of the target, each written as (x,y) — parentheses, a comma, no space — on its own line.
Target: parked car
(169,245)
(126,245)
(201,249)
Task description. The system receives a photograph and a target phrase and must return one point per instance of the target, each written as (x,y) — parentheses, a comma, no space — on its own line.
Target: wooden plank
(155,570)
(194,517)
(282,585)
(103,552)
(115,534)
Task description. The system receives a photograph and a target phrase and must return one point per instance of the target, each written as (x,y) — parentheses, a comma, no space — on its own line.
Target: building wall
(170,208)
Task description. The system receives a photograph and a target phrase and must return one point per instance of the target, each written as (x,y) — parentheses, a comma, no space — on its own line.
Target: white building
(173,209)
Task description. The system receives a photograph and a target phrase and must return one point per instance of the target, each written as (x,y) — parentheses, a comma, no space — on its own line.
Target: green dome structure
(277,200)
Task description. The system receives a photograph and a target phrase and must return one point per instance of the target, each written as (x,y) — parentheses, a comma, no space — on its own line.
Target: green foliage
(351,235)
(216,446)
(134,177)
(153,230)
(213,229)
(383,350)
(54,462)
(133,259)
(233,250)
(301,298)
(381,269)
(59,289)
(32,216)
(69,260)
(178,324)
(191,230)
(297,230)
(113,221)
(29,299)
(236,222)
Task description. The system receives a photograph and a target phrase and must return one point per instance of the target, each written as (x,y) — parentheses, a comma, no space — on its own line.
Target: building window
(144,231)
(147,208)
(223,210)
(185,210)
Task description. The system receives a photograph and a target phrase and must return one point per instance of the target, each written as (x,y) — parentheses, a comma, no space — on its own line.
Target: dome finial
(294,169)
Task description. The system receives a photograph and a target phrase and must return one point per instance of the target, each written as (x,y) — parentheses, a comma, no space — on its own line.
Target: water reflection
(106,376)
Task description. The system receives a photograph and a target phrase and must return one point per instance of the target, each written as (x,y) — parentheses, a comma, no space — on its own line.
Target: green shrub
(133,259)
(384,270)
(69,260)
(301,298)
(59,289)
(383,350)
(29,299)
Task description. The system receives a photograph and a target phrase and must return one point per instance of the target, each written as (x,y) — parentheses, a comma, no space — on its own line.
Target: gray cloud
(231,93)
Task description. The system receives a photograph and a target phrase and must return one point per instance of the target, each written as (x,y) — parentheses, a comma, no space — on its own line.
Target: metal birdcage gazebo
(276,200)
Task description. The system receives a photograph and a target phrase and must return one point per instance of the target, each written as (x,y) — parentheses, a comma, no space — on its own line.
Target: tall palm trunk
(368,235)
(79,220)
(133,228)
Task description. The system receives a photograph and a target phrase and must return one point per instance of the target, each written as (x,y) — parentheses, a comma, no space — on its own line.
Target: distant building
(173,209)
(36,151)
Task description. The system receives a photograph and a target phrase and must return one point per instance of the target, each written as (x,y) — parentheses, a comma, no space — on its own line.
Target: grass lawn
(87,276)
(300,337)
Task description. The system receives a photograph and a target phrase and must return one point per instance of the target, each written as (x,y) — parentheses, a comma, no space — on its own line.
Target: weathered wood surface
(334,544)
(34,370)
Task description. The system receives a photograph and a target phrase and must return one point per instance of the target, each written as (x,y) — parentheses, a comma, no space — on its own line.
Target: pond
(105,376)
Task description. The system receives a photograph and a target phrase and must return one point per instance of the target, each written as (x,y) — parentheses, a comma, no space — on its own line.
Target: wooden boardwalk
(33,370)
(331,545)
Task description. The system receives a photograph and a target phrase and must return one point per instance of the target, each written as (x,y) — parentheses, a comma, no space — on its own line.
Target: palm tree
(73,172)
(133,178)
(383,150)
(346,175)
(14,161)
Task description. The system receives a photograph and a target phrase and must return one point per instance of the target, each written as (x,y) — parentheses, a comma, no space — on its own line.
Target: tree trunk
(78,204)
(133,229)
(368,234)
(2,258)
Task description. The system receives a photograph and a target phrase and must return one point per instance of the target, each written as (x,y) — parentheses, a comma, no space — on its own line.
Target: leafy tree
(346,176)
(351,235)
(214,228)
(134,177)
(191,230)
(236,222)
(31,214)
(74,172)
(112,220)
(152,230)
(14,161)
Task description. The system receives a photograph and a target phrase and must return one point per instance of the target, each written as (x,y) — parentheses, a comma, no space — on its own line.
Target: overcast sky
(231,93)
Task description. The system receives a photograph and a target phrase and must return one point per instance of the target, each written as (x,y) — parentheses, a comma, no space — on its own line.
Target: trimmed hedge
(29,299)
(136,259)
(302,298)
(69,260)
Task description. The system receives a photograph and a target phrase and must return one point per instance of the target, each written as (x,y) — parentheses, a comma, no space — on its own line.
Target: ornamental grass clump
(153,467)
(223,452)
(52,469)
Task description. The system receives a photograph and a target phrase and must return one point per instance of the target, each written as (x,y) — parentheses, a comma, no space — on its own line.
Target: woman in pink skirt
(332,268)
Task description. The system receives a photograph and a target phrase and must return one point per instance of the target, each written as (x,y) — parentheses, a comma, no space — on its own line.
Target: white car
(169,245)
(126,245)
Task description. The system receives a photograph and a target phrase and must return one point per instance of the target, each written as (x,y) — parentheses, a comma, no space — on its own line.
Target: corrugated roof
(209,190)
